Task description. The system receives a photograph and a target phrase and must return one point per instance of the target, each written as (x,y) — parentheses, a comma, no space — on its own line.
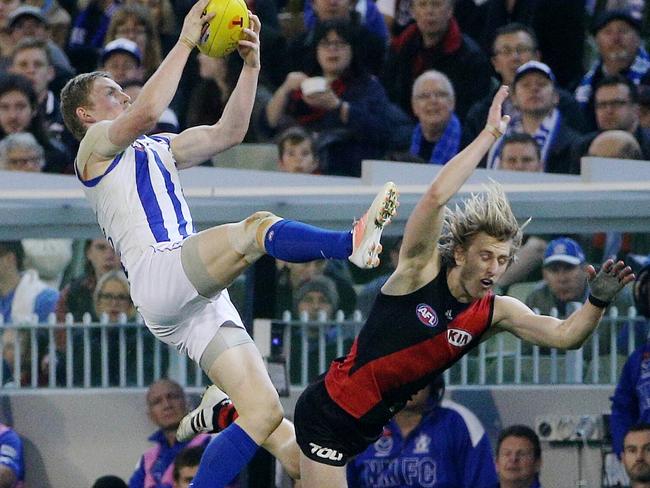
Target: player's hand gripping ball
(220,36)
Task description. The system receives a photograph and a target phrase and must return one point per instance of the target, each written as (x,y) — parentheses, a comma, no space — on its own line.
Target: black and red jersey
(405,342)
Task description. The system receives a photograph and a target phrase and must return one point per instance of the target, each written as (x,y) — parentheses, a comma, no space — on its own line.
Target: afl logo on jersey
(458,338)
(427,315)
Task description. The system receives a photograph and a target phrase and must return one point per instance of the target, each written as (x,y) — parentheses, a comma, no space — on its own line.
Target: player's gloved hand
(605,284)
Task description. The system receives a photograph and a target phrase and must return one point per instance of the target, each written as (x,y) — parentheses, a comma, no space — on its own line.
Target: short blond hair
(487,212)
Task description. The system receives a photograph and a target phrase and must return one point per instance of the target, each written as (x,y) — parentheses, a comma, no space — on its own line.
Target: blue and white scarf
(446,147)
(544,136)
(634,73)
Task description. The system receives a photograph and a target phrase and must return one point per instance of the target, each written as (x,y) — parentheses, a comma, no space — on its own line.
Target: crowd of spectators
(408,80)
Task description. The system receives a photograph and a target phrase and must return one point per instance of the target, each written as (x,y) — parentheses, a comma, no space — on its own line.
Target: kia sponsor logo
(427,315)
(325,452)
(458,338)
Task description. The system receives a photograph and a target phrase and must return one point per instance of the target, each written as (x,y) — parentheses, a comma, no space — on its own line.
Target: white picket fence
(102,354)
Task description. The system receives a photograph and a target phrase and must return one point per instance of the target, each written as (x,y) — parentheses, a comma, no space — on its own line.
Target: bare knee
(265,412)
(247,236)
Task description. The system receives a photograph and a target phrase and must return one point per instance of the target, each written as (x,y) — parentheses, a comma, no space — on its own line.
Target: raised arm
(157,93)
(418,254)
(512,315)
(198,144)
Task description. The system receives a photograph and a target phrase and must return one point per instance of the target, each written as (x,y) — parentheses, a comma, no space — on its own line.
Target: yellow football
(221,35)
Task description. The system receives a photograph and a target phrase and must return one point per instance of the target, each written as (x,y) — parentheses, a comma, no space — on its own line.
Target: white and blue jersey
(448,449)
(138,200)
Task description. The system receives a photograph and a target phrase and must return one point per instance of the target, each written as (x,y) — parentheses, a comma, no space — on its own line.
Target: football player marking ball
(220,36)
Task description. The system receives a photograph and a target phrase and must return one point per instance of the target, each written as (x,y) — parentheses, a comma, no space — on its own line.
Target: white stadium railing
(105,355)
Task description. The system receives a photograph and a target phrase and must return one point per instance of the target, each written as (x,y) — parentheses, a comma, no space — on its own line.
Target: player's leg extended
(212,259)
(318,475)
(240,371)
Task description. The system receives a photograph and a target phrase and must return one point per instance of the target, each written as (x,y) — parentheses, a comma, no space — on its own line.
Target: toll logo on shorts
(427,315)
(325,452)
(458,338)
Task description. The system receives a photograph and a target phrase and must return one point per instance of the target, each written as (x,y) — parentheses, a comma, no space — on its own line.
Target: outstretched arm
(157,93)
(418,254)
(198,144)
(512,315)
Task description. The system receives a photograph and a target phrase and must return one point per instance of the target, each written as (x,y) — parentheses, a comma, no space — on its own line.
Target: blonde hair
(487,212)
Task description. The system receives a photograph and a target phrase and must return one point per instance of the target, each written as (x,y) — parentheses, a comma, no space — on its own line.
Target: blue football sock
(226,455)
(296,242)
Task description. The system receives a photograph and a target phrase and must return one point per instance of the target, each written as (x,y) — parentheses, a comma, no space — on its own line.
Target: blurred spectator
(77,297)
(436,42)
(22,293)
(209,95)
(163,17)
(168,121)
(292,275)
(109,481)
(31,59)
(316,297)
(296,152)
(618,39)
(372,46)
(535,95)
(12,464)
(617,108)
(518,457)
(21,152)
(349,111)
(123,60)
(58,19)
(559,24)
(431,442)
(631,399)
(565,280)
(186,465)
(615,144)
(436,138)
(133,22)
(166,406)
(19,112)
(88,33)
(636,455)
(369,15)
(515,44)
(111,297)
(520,152)
(27,21)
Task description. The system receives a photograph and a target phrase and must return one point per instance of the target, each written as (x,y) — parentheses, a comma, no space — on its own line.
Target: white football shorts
(170,305)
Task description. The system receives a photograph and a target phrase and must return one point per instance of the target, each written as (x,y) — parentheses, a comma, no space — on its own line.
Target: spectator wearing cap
(565,280)
(28,21)
(515,44)
(315,297)
(618,40)
(535,96)
(123,60)
(436,138)
(134,22)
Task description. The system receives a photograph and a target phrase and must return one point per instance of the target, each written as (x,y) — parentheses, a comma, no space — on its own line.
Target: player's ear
(83,115)
(459,255)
